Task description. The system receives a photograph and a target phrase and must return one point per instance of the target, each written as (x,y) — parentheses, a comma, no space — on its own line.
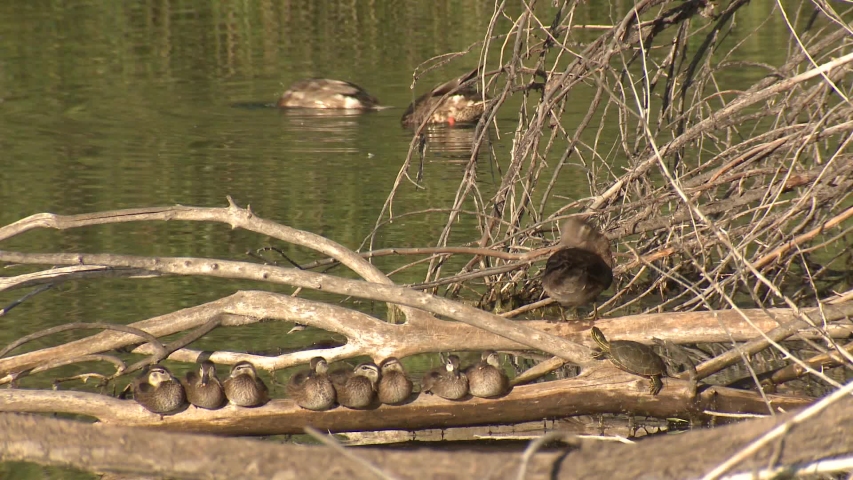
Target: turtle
(633,357)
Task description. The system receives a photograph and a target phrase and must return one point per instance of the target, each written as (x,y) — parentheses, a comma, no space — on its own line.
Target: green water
(108,105)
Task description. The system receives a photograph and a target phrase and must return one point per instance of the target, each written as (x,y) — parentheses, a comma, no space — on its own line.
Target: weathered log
(105,448)
(600,390)
(370,336)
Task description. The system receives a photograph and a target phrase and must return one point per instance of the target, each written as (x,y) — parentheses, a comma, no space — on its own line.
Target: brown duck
(394,386)
(158,391)
(486,378)
(356,388)
(452,102)
(583,268)
(312,389)
(326,93)
(244,388)
(446,381)
(203,387)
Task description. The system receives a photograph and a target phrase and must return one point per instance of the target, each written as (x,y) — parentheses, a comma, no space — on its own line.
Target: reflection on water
(450,142)
(311,130)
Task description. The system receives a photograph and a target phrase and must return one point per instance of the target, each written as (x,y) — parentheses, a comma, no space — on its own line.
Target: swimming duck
(446,381)
(158,391)
(486,378)
(394,386)
(355,388)
(311,389)
(203,387)
(583,268)
(244,388)
(463,105)
(327,93)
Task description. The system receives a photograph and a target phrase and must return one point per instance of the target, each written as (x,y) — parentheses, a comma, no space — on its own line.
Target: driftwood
(595,391)
(474,330)
(104,448)
(369,336)
(601,390)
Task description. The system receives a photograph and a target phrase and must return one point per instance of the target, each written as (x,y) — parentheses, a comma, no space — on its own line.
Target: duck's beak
(205,377)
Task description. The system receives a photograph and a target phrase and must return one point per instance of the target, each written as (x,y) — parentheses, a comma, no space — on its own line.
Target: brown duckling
(446,381)
(486,378)
(455,101)
(158,391)
(311,389)
(394,386)
(244,387)
(327,93)
(355,388)
(577,273)
(203,387)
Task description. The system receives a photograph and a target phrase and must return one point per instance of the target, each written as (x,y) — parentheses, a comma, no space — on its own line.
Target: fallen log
(600,390)
(105,448)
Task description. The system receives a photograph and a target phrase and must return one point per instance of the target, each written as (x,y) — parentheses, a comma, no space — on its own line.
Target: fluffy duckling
(394,386)
(203,387)
(486,378)
(328,94)
(244,388)
(356,388)
(158,391)
(311,389)
(446,381)
(577,273)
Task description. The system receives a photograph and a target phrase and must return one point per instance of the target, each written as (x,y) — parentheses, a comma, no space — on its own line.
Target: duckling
(244,388)
(446,381)
(203,387)
(327,93)
(394,386)
(356,388)
(158,391)
(486,378)
(464,105)
(311,389)
(577,273)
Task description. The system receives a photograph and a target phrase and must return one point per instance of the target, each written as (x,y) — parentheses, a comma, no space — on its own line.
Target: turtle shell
(636,358)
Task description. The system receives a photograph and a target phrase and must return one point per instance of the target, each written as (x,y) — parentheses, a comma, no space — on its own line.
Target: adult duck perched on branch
(327,93)
(452,102)
(583,268)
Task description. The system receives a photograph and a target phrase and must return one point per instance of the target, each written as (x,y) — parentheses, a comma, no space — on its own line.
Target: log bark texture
(106,448)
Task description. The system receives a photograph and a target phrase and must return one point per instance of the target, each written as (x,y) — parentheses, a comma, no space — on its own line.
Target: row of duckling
(317,388)
(463,104)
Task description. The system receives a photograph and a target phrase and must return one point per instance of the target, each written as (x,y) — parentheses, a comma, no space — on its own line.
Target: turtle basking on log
(632,357)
